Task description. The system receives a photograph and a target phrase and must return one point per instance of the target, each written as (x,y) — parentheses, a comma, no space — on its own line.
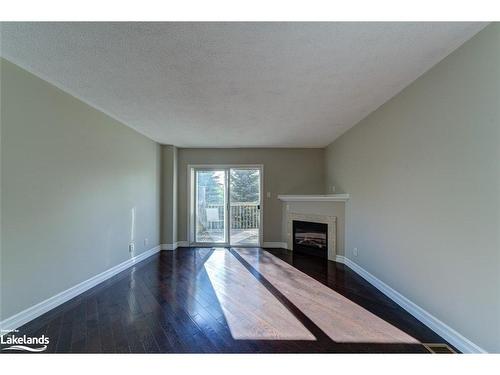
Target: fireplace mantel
(327,206)
(314,198)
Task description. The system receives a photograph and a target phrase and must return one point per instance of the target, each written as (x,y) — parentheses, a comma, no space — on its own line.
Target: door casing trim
(190,201)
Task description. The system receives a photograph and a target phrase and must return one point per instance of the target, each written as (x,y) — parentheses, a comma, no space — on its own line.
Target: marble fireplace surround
(331,221)
(327,209)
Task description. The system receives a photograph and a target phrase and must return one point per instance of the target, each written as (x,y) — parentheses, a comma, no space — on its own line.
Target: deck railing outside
(244,215)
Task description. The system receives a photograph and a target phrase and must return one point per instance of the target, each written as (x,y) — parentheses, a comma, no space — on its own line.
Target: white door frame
(191,199)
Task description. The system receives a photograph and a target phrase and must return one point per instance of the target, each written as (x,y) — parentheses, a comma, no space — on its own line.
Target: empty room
(250,187)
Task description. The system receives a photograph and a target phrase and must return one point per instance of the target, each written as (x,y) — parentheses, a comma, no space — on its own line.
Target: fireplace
(310,238)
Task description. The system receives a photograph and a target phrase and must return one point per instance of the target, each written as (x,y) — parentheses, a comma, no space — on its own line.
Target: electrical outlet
(268,194)
(146,242)
(355,251)
(131,247)
(333,188)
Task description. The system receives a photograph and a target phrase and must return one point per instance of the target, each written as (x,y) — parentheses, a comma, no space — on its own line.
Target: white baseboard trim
(449,334)
(175,245)
(280,245)
(35,311)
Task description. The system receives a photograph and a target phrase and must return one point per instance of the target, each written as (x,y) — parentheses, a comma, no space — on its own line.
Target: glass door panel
(210,206)
(244,206)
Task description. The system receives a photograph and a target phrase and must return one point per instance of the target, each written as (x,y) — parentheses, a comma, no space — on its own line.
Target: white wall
(423,172)
(72,178)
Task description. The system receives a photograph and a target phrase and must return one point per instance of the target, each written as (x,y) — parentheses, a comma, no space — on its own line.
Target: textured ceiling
(233,84)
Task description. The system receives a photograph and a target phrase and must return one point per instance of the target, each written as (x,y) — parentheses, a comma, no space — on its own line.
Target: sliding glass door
(226,205)
(244,215)
(211,202)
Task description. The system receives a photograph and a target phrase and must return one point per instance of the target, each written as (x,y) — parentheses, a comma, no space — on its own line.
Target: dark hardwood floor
(169,303)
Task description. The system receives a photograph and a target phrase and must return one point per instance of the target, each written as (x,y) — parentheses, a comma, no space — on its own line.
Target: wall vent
(439,348)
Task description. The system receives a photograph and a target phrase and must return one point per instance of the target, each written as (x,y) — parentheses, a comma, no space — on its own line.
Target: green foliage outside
(244,185)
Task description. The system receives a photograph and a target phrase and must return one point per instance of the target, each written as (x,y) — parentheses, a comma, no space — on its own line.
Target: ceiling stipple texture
(233,84)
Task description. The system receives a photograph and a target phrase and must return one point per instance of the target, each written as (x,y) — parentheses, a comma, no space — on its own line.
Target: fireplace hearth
(310,238)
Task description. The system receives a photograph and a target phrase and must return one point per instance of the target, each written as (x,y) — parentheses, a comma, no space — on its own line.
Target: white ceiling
(233,84)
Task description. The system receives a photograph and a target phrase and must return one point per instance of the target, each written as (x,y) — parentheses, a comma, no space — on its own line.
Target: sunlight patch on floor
(251,311)
(341,319)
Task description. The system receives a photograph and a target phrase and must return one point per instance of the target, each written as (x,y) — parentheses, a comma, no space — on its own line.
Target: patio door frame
(191,217)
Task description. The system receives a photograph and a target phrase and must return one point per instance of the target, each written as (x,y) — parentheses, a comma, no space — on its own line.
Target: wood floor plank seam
(167,304)
(308,323)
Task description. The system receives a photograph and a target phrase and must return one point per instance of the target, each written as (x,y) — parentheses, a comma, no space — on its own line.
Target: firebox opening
(310,238)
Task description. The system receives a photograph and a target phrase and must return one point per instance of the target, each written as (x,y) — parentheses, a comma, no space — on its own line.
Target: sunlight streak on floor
(251,311)
(340,318)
